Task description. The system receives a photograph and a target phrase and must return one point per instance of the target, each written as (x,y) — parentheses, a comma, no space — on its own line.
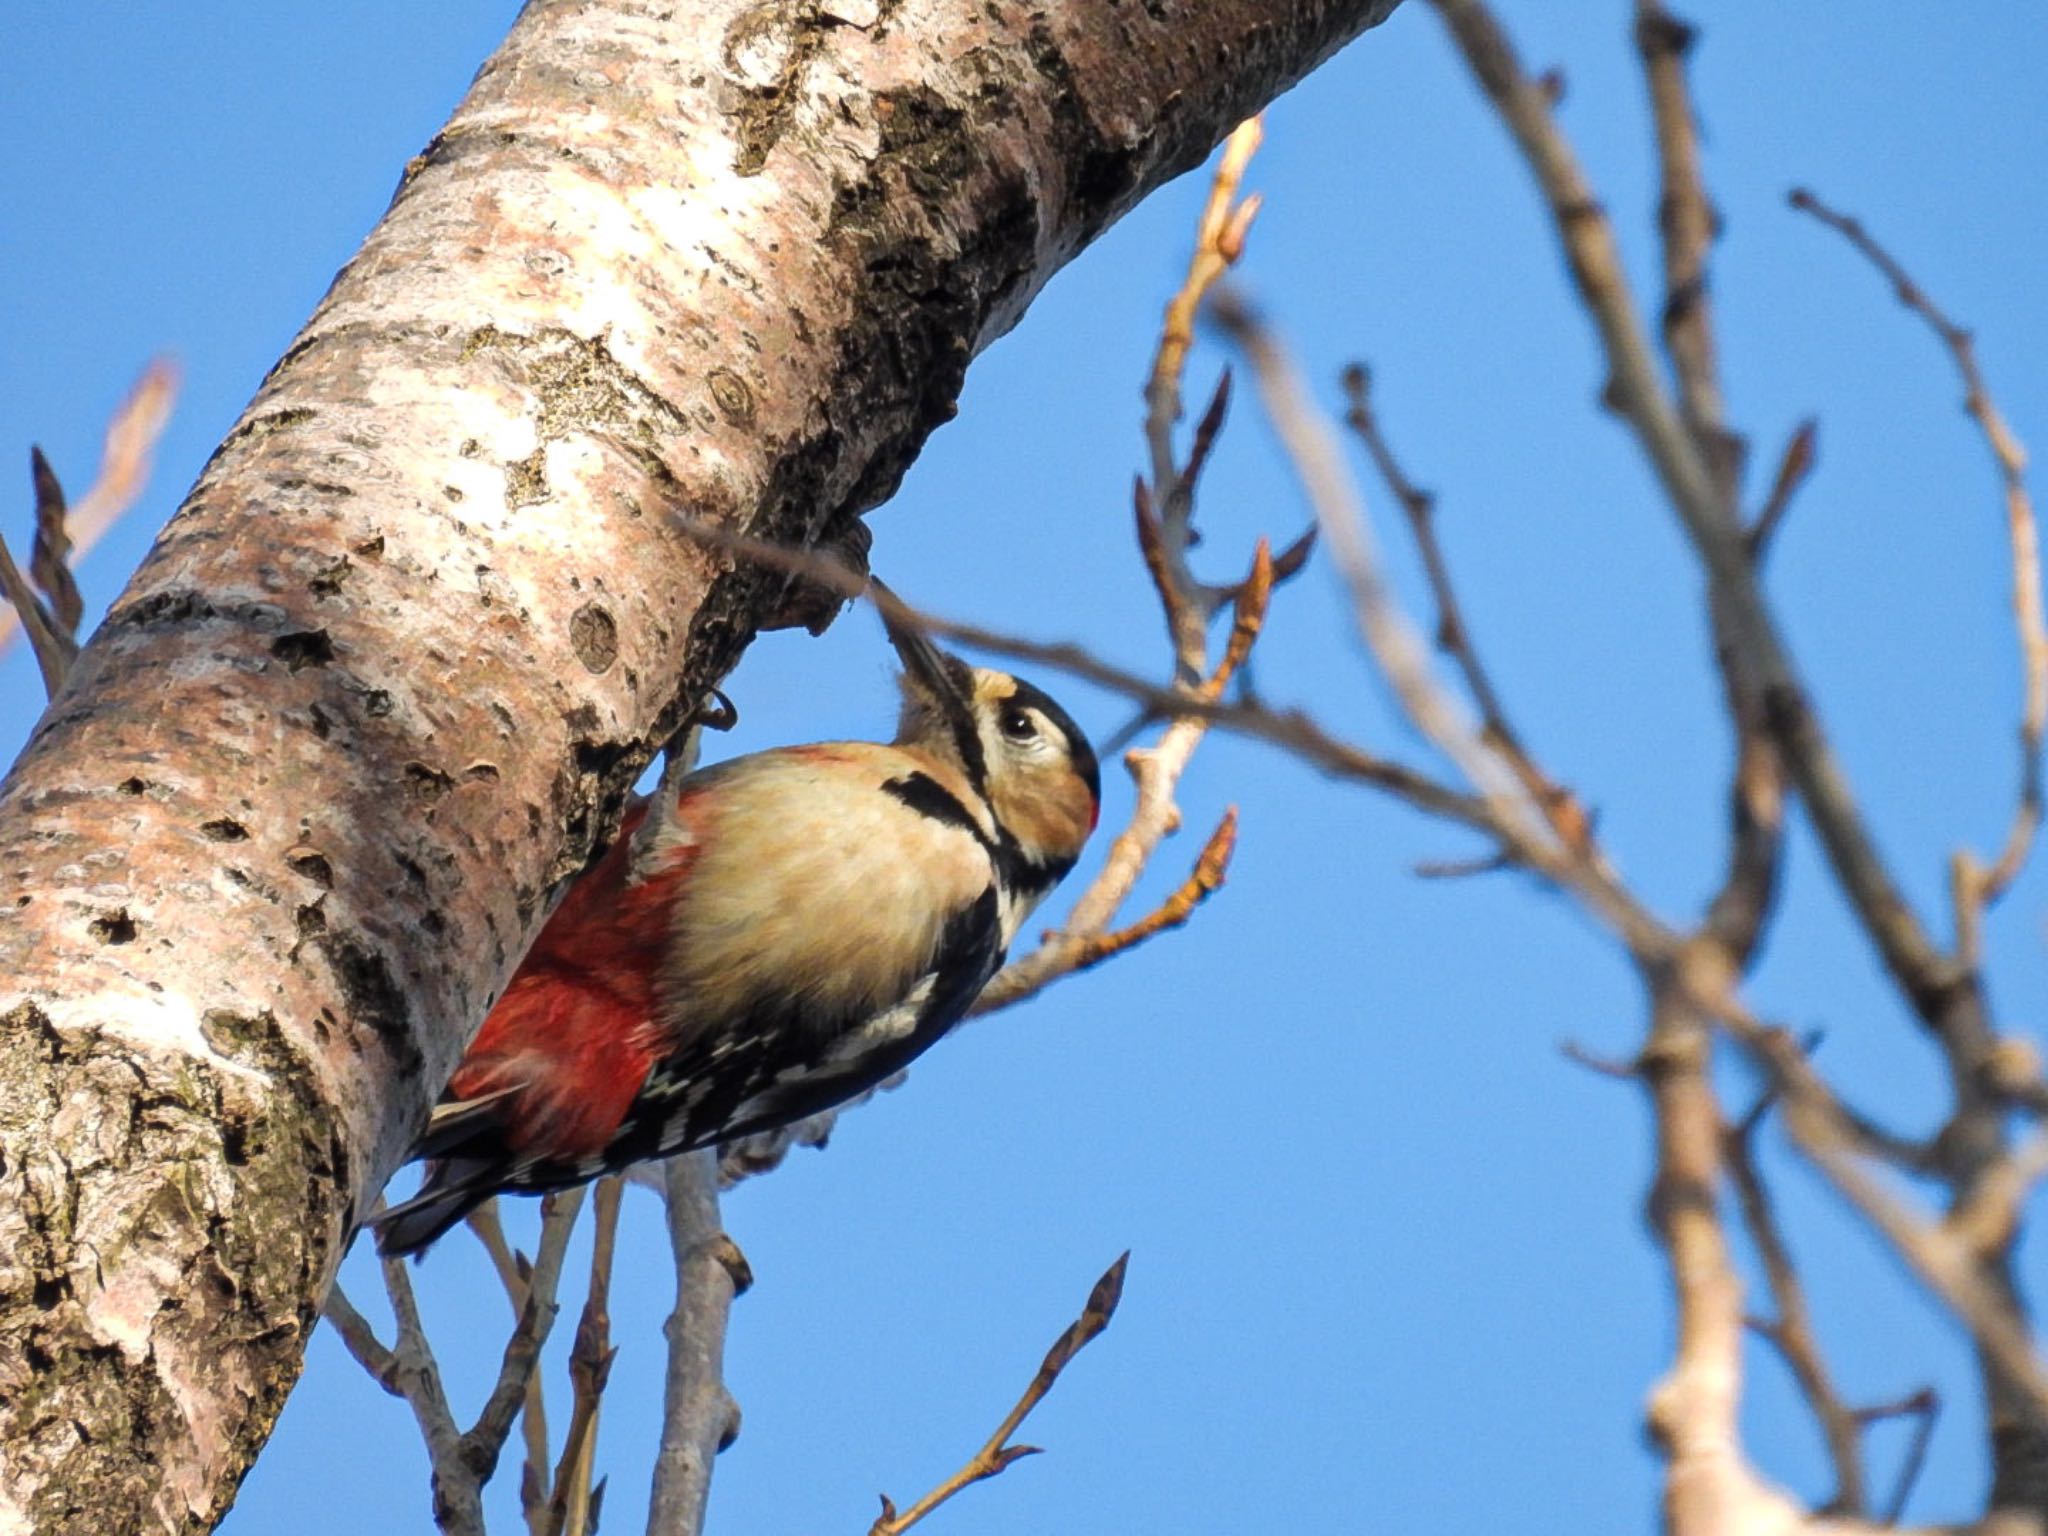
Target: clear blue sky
(1389,1272)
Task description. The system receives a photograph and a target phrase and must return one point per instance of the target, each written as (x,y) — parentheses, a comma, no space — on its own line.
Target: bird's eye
(1017,724)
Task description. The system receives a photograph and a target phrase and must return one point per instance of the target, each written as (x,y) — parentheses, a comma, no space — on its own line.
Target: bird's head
(1015,746)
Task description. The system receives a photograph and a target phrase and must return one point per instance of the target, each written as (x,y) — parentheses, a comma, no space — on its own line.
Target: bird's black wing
(775,1066)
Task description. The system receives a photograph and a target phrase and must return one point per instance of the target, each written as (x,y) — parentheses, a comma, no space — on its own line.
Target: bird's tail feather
(454,1188)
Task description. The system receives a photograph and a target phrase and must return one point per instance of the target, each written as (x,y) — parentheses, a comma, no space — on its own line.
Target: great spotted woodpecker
(800,925)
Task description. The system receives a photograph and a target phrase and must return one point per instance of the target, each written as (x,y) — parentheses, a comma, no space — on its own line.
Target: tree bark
(388,676)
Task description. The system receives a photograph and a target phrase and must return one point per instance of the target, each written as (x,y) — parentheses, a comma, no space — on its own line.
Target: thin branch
(572,1506)
(699,1417)
(1923,1407)
(997,1453)
(1635,393)
(1509,815)
(1791,1331)
(458,1509)
(1708,1485)
(516,1275)
(1686,220)
(1291,729)
(125,454)
(1165,517)
(486,1438)
(1560,807)
(2010,457)
(1946,1261)
(1064,954)
(54,650)
(1795,464)
(361,1340)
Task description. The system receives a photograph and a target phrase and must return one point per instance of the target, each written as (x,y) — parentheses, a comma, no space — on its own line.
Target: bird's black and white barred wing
(776,1065)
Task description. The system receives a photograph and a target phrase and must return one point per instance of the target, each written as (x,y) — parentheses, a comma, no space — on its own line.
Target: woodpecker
(799,925)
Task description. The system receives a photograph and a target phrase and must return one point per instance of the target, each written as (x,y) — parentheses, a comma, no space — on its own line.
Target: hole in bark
(224,829)
(303,648)
(426,781)
(133,786)
(328,582)
(313,865)
(594,635)
(115,927)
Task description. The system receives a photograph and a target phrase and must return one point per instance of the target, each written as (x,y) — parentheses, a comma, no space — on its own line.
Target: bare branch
(361,1340)
(1560,807)
(1924,973)
(1794,465)
(997,1454)
(458,1510)
(54,650)
(1791,1331)
(1923,1407)
(1708,1485)
(1219,241)
(1509,815)
(516,1275)
(572,1506)
(1946,1261)
(1686,218)
(64,535)
(49,554)
(486,1438)
(2010,457)
(699,1417)
(1063,953)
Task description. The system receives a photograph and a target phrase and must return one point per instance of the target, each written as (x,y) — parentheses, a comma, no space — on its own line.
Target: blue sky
(1388,1264)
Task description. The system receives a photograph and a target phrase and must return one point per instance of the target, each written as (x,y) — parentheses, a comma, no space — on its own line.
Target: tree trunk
(388,676)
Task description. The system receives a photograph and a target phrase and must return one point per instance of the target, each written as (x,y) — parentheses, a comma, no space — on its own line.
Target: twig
(1794,465)
(1291,729)
(1686,219)
(516,1275)
(1606,1066)
(997,1454)
(361,1341)
(2010,457)
(699,1417)
(54,650)
(1508,813)
(131,438)
(1708,1485)
(1944,1260)
(1156,771)
(1923,972)
(1560,807)
(1923,1407)
(572,1505)
(486,1438)
(1065,954)
(1791,1332)
(1165,516)
(458,1510)
(462,1461)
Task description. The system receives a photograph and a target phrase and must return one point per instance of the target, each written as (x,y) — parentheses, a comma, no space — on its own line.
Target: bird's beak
(944,677)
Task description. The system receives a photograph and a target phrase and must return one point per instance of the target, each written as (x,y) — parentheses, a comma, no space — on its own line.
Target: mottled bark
(389,674)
